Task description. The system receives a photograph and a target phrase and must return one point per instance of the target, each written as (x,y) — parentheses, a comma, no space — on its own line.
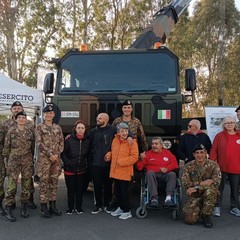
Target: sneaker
(69,211)
(216,212)
(108,209)
(125,215)
(79,211)
(96,210)
(154,203)
(235,211)
(117,212)
(168,201)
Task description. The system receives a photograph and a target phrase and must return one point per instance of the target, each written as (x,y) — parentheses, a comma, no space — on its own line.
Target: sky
(237,2)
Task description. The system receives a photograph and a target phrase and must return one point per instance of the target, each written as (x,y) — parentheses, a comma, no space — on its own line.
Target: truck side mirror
(190,79)
(48,83)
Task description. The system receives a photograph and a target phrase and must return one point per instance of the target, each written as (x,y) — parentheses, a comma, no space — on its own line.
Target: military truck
(90,82)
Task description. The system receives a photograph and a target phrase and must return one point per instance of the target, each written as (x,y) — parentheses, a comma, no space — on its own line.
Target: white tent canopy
(11,91)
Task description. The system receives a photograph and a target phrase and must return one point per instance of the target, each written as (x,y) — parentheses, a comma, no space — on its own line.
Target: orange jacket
(123,156)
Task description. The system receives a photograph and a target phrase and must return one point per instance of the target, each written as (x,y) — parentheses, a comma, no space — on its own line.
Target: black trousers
(75,189)
(234,180)
(122,194)
(102,185)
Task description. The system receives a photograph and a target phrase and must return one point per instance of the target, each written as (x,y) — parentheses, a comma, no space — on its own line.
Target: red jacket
(218,153)
(154,161)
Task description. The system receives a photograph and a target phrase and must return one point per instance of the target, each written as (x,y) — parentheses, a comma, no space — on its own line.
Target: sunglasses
(189,126)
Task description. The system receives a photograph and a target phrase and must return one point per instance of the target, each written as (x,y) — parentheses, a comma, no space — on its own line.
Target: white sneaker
(125,215)
(235,211)
(216,212)
(117,212)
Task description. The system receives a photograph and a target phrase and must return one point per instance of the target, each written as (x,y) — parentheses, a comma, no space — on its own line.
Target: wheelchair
(142,210)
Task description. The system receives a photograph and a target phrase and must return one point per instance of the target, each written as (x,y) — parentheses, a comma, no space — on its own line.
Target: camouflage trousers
(200,203)
(48,173)
(2,177)
(15,166)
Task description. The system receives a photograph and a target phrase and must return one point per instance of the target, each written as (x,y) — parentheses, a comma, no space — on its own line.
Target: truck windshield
(119,72)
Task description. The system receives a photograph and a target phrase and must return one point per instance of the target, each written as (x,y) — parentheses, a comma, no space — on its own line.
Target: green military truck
(90,82)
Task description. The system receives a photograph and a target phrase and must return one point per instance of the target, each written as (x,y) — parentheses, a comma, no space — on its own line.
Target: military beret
(238,108)
(122,125)
(198,147)
(16,103)
(48,108)
(127,102)
(20,113)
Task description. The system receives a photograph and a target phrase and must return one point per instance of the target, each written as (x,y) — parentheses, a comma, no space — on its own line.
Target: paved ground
(158,224)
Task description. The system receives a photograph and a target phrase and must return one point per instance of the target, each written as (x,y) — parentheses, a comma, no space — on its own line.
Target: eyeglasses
(227,123)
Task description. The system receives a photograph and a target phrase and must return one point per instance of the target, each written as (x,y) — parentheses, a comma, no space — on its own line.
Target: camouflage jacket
(49,139)
(6,125)
(18,143)
(193,174)
(137,131)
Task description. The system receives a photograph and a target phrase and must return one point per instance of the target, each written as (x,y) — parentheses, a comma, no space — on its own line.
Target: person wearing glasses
(191,138)
(226,152)
(238,116)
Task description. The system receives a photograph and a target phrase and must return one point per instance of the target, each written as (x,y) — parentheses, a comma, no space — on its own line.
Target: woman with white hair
(226,151)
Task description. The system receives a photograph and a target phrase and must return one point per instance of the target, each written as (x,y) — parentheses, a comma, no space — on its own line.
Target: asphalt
(157,225)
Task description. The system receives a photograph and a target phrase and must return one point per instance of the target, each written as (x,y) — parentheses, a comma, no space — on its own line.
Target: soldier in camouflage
(18,150)
(238,116)
(4,127)
(50,143)
(201,179)
(2,169)
(134,124)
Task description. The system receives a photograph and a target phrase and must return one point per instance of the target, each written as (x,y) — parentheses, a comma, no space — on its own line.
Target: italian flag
(164,114)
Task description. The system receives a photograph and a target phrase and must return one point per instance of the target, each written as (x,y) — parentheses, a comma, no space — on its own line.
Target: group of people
(111,152)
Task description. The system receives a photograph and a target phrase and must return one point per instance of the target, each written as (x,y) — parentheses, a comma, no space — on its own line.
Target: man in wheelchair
(159,164)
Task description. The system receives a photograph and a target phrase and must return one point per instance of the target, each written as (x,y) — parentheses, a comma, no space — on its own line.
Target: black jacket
(75,154)
(101,140)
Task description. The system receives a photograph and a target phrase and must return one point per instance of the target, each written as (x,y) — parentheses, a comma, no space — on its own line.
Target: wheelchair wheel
(141,213)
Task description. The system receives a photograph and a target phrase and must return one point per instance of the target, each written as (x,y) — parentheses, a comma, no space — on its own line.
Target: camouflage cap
(48,108)
(238,108)
(198,147)
(127,102)
(16,103)
(20,114)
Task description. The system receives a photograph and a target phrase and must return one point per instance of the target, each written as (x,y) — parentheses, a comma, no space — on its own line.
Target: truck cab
(90,82)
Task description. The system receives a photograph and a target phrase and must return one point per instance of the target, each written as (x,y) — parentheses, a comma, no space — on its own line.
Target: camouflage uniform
(50,141)
(202,201)
(2,165)
(6,125)
(137,130)
(18,149)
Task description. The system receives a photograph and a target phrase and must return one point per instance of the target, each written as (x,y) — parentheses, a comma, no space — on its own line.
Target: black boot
(53,210)
(44,211)
(2,210)
(9,216)
(23,210)
(207,221)
(31,203)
